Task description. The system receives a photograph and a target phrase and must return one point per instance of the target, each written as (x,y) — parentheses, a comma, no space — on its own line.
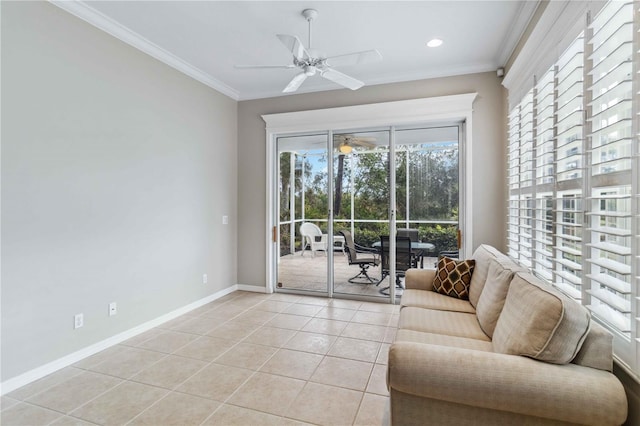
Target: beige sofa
(517,352)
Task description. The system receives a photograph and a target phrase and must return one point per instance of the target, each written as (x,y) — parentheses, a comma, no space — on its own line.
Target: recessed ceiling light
(434,43)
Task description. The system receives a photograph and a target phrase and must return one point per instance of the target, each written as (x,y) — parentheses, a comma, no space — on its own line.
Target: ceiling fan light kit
(345,143)
(311,61)
(345,148)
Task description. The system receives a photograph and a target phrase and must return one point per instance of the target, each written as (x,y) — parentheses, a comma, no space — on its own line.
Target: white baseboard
(254,288)
(51,367)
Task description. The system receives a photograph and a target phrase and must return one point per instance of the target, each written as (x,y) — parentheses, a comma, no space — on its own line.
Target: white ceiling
(205,39)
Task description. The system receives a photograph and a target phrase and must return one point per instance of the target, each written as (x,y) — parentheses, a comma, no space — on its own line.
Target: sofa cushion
(419,279)
(539,322)
(597,349)
(483,256)
(433,300)
(443,340)
(453,277)
(459,324)
(493,295)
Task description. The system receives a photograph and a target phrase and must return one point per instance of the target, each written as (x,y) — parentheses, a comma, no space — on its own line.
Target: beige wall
(488,154)
(116,171)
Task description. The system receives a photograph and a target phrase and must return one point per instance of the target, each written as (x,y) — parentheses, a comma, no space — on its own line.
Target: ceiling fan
(312,61)
(345,143)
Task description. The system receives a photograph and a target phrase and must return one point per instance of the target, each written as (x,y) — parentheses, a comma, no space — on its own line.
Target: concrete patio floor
(307,272)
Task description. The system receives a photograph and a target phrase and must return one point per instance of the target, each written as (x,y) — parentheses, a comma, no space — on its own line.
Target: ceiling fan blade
(356,58)
(349,139)
(363,142)
(342,79)
(295,83)
(294,45)
(251,67)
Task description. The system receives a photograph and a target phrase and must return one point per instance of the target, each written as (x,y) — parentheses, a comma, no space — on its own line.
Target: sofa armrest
(569,393)
(419,279)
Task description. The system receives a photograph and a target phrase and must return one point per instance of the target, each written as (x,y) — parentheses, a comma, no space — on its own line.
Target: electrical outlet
(204,278)
(225,220)
(78,321)
(113,309)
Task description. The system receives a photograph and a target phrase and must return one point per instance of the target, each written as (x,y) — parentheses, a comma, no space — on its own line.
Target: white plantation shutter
(521,180)
(543,243)
(513,173)
(568,259)
(569,115)
(569,217)
(545,174)
(526,207)
(574,174)
(611,152)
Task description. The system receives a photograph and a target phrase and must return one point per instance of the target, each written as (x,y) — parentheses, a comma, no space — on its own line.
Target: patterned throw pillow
(453,277)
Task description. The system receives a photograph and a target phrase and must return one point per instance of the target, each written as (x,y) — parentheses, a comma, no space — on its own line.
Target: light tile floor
(244,359)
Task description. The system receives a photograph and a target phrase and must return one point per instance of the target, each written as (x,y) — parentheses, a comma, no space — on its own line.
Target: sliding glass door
(303,212)
(428,187)
(341,212)
(361,200)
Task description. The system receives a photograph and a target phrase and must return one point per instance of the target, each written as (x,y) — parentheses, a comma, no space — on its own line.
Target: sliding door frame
(422,112)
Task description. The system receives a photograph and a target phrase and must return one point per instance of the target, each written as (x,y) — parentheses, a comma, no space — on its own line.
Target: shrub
(444,238)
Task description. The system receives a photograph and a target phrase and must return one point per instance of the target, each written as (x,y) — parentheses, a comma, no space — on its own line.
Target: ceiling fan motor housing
(310,14)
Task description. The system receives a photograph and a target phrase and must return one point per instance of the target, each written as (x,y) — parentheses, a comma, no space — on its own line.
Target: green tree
(371,186)
(285,180)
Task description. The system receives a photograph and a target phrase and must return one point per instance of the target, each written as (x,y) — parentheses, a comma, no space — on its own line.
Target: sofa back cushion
(491,301)
(539,322)
(483,256)
(597,349)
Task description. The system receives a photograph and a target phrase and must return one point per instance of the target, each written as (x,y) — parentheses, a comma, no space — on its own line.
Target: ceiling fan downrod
(309,15)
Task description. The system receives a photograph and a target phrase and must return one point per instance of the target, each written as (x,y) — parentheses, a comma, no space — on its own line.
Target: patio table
(415,245)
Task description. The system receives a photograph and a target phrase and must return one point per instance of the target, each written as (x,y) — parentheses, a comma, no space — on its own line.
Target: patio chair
(451,254)
(313,238)
(408,232)
(406,258)
(412,234)
(363,257)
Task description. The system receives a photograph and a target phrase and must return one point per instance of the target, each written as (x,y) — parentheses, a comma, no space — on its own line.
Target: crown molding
(88,14)
(523,17)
